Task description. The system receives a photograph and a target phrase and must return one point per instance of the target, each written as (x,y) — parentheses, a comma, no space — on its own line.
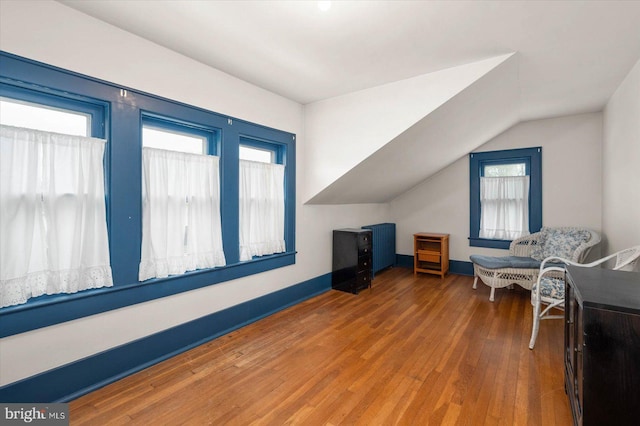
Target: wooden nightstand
(431,253)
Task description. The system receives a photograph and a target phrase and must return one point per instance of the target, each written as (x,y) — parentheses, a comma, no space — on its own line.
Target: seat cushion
(493,262)
(551,287)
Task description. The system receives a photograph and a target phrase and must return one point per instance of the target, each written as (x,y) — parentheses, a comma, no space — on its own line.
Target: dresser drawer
(428,256)
(364,262)
(363,280)
(364,242)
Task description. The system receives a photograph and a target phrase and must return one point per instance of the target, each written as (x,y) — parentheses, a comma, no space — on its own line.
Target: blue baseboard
(461,267)
(73,380)
(404,261)
(458,267)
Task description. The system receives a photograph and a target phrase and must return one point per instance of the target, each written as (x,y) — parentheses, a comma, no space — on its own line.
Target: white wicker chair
(549,288)
(523,247)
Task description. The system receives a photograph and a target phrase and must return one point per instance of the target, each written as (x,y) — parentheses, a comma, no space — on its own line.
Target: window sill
(44,311)
(488,243)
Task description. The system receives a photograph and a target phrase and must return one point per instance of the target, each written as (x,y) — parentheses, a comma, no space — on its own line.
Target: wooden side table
(431,253)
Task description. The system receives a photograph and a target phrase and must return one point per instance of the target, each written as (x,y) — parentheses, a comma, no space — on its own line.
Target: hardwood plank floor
(412,351)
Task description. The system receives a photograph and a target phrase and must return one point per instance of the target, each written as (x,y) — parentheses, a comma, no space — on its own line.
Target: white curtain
(53,228)
(504,203)
(181,228)
(261,209)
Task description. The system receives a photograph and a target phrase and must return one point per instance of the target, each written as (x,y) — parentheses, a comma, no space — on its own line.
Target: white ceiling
(572,54)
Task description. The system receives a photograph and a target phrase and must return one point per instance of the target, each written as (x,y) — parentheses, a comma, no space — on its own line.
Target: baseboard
(458,267)
(461,267)
(404,261)
(73,380)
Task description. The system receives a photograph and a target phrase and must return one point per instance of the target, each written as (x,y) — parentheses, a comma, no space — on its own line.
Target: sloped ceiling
(354,139)
(571,56)
(477,113)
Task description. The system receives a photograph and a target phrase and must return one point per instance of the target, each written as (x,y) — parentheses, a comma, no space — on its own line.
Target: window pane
(173,141)
(504,207)
(42,117)
(502,170)
(256,154)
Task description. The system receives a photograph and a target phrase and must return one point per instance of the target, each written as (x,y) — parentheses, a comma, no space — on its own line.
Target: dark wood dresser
(602,346)
(352,264)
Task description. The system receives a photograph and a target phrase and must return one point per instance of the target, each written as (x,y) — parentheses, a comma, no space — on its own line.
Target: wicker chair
(549,287)
(520,267)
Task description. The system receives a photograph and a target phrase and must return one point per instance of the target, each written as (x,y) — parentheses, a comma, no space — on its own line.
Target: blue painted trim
(73,380)
(461,267)
(532,157)
(404,261)
(484,242)
(46,310)
(123,115)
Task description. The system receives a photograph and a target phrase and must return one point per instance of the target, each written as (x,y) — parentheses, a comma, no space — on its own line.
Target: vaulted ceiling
(569,58)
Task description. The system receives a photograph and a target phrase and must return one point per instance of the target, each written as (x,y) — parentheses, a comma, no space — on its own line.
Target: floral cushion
(537,250)
(551,287)
(562,242)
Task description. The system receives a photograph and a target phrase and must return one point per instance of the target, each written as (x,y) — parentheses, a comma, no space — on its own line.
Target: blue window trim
(124,111)
(532,157)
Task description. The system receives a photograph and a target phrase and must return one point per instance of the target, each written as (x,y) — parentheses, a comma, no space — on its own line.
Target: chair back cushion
(537,249)
(563,242)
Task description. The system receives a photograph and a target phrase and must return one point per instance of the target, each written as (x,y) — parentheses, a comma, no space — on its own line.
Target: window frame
(532,157)
(124,110)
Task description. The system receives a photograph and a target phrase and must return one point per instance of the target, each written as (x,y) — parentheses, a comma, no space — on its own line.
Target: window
(52,111)
(256,154)
(505,196)
(172,141)
(181,226)
(133,122)
(43,117)
(262,199)
(175,135)
(53,217)
(504,170)
(504,201)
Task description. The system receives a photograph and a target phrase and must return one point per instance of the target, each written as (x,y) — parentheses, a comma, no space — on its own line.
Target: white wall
(52,33)
(360,123)
(571,184)
(621,165)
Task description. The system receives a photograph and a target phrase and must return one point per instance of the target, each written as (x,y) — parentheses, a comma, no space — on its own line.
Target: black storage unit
(602,346)
(351,260)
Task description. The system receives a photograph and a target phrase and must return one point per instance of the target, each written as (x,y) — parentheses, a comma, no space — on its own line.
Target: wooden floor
(412,351)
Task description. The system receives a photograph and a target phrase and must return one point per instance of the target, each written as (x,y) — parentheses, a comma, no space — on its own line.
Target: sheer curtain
(504,203)
(181,228)
(53,224)
(261,209)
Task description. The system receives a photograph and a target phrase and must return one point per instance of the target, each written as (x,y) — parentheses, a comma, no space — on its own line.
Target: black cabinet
(602,346)
(351,260)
